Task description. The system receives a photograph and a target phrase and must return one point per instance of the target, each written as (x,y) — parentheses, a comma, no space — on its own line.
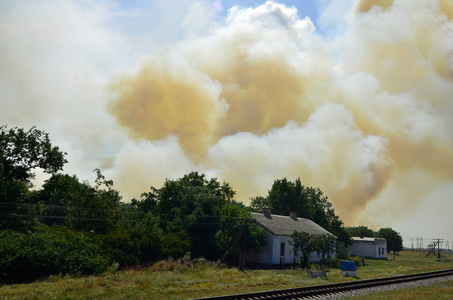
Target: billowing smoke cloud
(362,111)
(263,97)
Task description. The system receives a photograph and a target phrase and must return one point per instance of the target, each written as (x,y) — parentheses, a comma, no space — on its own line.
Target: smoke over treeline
(263,96)
(359,106)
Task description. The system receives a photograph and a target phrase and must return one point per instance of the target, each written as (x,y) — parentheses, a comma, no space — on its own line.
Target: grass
(188,280)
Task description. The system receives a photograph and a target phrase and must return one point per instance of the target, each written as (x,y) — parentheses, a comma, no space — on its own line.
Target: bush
(25,257)
(131,246)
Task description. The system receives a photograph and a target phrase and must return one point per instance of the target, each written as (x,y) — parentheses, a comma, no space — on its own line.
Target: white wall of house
(271,253)
(372,248)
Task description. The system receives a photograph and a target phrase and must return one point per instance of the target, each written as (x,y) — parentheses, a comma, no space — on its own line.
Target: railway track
(330,289)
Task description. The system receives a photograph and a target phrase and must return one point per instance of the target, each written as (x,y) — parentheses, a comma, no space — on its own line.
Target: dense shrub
(132,245)
(47,251)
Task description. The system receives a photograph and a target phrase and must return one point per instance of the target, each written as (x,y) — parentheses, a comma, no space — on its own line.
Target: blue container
(347,265)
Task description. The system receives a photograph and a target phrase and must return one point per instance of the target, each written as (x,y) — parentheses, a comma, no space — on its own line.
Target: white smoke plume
(363,112)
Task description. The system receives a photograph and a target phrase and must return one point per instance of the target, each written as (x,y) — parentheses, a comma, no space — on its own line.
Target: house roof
(368,239)
(285,225)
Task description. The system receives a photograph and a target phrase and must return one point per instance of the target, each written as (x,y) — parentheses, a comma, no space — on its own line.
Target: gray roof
(367,239)
(285,225)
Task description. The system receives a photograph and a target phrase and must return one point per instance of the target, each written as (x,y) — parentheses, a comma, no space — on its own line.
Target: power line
(79,208)
(168,222)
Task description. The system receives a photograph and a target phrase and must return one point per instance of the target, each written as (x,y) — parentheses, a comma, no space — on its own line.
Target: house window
(282,248)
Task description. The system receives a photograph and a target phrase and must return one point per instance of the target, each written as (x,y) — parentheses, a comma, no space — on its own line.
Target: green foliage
(47,251)
(229,218)
(256,238)
(82,207)
(258,203)
(308,202)
(361,231)
(325,244)
(394,239)
(129,245)
(59,195)
(304,244)
(232,219)
(176,244)
(20,153)
(191,204)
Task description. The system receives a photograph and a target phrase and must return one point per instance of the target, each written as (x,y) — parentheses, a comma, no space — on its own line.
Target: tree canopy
(200,214)
(308,202)
(394,239)
(22,151)
(360,231)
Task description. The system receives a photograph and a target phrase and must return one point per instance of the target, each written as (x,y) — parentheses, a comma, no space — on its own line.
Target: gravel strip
(388,287)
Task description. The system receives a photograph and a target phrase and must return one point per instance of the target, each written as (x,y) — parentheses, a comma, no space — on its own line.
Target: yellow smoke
(158,102)
(263,97)
(365,5)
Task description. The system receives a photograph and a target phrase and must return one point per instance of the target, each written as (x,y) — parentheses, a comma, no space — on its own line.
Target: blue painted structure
(347,265)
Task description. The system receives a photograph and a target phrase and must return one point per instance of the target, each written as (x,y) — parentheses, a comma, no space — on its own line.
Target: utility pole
(412,240)
(438,247)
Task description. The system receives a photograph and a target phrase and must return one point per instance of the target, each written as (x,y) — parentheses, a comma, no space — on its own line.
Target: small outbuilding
(369,247)
(278,249)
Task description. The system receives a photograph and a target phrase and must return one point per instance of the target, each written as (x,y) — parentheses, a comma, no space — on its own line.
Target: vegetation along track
(329,289)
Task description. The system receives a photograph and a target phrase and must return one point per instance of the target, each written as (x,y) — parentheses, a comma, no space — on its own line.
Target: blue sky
(306,8)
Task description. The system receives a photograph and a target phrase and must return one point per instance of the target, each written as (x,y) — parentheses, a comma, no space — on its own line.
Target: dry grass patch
(197,279)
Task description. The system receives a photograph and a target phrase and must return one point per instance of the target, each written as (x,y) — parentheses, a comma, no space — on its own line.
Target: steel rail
(320,290)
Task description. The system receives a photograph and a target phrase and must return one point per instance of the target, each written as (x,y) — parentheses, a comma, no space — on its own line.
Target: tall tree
(303,245)
(325,244)
(21,152)
(189,209)
(308,202)
(199,215)
(360,231)
(394,239)
(78,205)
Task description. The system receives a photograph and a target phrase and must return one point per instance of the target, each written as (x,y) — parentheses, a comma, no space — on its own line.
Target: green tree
(304,244)
(325,244)
(21,152)
(58,194)
(80,206)
(394,239)
(258,203)
(176,244)
(200,213)
(97,208)
(232,218)
(308,202)
(192,204)
(360,231)
(131,244)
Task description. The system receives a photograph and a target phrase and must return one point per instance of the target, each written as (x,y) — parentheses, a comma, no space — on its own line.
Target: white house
(369,247)
(279,229)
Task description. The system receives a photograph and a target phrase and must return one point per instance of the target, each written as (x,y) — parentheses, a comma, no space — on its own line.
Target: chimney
(293,215)
(267,212)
